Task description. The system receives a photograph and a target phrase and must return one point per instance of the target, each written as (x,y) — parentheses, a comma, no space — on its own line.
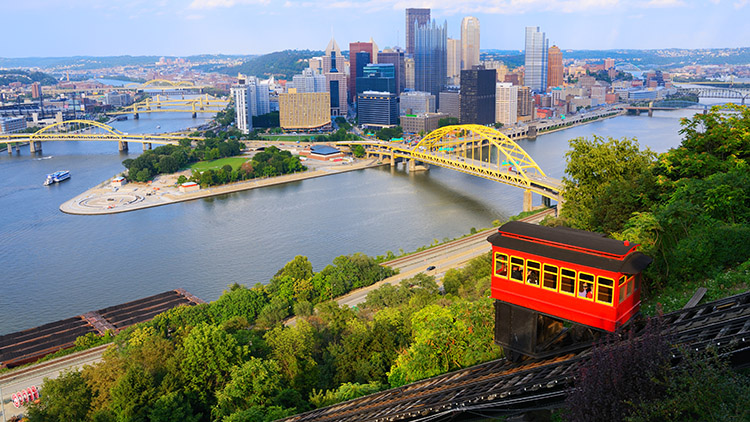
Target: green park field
(235,162)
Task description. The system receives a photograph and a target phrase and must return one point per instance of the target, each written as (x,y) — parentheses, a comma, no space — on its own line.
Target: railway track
(500,386)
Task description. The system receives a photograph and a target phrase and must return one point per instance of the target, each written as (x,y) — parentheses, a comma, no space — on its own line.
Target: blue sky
(34,28)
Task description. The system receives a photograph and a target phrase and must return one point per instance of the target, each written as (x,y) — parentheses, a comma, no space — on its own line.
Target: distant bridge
(461,148)
(83,130)
(714,92)
(202,104)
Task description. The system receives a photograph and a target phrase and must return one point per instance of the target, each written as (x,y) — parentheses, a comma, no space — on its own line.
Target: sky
(55,28)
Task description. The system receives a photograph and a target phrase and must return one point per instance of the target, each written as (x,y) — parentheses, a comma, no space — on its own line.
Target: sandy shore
(103,199)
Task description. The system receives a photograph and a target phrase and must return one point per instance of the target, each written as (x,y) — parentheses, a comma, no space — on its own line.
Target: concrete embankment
(135,196)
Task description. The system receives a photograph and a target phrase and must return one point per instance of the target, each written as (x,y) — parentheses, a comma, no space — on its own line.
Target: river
(57,265)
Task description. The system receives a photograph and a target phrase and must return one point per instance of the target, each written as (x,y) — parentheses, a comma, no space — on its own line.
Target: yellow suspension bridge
(476,150)
(84,130)
(202,104)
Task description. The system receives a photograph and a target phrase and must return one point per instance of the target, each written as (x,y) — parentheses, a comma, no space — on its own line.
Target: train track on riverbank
(502,387)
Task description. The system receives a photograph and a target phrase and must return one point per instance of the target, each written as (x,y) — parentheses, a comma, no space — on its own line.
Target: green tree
(447,121)
(358,151)
(65,398)
(255,383)
(209,354)
(606,181)
(293,349)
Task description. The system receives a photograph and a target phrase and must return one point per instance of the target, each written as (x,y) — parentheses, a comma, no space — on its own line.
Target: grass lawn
(235,162)
(285,138)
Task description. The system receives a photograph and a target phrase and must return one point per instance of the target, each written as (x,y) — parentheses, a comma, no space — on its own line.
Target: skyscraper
(409,73)
(356,64)
(536,59)
(395,57)
(454,61)
(506,105)
(336,79)
(478,96)
(469,42)
(430,57)
(421,17)
(554,67)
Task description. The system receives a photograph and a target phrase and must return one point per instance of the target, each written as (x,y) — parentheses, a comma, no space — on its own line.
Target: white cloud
(664,3)
(213,4)
(739,4)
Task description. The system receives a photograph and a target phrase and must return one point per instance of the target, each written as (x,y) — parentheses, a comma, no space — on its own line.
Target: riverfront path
(103,199)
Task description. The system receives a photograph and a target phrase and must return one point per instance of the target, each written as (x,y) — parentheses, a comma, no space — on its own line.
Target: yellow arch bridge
(476,150)
(202,104)
(83,130)
(163,84)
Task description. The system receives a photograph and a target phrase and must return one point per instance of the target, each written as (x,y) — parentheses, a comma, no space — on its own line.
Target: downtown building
(414,18)
(305,111)
(416,102)
(377,77)
(308,81)
(453,70)
(537,47)
(430,57)
(477,96)
(251,98)
(469,42)
(395,57)
(554,67)
(525,107)
(360,55)
(377,109)
(506,103)
(334,70)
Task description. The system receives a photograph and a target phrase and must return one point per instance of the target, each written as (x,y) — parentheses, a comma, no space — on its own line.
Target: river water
(56,265)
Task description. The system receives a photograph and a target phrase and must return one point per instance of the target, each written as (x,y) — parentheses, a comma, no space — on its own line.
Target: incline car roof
(570,245)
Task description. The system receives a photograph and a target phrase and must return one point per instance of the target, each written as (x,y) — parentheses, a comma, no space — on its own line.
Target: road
(22,378)
(449,255)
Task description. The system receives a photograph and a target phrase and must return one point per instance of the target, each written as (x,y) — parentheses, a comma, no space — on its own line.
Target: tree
(293,349)
(168,164)
(447,121)
(358,151)
(255,383)
(606,181)
(65,398)
(209,354)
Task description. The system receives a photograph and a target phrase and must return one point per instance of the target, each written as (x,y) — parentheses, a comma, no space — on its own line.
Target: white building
(251,98)
(454,61)
(416,102)
(116,99)
(506,103)
(469,42)
(308,81)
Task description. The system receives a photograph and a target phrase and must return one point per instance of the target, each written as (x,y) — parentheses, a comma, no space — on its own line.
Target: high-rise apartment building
(525,107)
(396,58)
(409,73)
(469,42)
(478,96)
(506,103)
(243,95)
(537,46)
(454,62)
(609,64)
(305,111)
(554,67)
(430,57)
(308,81)
(357,62)
(414,17)
(36,90)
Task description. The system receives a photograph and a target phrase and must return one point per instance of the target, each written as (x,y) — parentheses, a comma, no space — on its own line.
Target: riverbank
(103,199)
(600,118)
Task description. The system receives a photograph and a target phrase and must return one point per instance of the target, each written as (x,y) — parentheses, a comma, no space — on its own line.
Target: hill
(280,64)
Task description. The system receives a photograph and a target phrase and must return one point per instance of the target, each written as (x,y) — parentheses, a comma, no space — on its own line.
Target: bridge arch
(159,82)
(94,123)
(515,156)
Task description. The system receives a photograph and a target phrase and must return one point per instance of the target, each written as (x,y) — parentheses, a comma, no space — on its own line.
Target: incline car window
(550,277)
(585,286)
(501,264)
(567,281)
(604,290)
(516,269)
(532,272)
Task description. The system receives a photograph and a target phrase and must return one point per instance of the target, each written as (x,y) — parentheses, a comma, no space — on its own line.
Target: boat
(57,177)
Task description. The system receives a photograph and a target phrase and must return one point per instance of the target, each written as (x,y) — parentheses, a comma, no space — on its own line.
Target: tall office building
(469,42)
(554,67)
(333,53)
(409,73)
(536,59)
(377,77)
(450,102)
(416,102)
(478,96)
(336,79)
(506,103)
(357,62)
(395,57)
(430,57)
(454,62)
(420,17)
(377,109)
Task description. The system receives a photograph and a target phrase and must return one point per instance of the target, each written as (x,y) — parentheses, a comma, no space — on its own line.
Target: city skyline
(182,28)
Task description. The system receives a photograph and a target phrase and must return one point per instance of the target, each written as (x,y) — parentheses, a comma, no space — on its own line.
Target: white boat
(57,177)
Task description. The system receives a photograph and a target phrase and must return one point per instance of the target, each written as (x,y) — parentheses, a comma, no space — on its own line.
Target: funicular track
(501,386)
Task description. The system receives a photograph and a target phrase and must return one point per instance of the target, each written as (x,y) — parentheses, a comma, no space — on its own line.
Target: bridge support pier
(415,166)
(146,146)
(10,148)
(195,115)
(650,112)
(546,201)
(35,146)
(527,200)
(122,146)
(135,116)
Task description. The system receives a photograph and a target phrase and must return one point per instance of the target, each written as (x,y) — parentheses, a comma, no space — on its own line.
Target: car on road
(430,268)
